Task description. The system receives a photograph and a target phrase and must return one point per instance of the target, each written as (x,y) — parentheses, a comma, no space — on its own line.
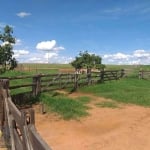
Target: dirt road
(123,128)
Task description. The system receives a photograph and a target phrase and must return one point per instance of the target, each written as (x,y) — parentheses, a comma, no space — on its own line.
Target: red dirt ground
(123,128)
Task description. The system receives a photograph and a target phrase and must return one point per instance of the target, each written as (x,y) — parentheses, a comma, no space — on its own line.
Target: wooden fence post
(122,73)
(42,108)
(4,84)
(141,73)
(1,108)
(75,81)
(102,76)
(36,88)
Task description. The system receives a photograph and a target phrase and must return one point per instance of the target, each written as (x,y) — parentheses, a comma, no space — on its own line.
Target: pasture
(94,115)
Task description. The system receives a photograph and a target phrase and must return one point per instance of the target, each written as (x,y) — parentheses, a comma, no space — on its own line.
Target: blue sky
(116,30)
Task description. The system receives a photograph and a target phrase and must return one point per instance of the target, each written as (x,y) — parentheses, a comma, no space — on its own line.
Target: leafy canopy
(6,49)
(86,60)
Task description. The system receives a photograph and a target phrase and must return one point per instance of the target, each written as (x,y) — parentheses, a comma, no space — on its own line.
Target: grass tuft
(66,108)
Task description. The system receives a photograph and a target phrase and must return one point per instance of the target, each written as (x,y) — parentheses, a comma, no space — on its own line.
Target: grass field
(129,90)
(126,90)
(43,68)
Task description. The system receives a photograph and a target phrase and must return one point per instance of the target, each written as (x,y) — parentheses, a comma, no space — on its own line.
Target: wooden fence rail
(18,126)
(51,82)
(144,74)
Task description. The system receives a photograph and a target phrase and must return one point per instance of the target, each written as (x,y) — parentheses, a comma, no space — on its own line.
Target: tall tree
(6,49)
(86,60)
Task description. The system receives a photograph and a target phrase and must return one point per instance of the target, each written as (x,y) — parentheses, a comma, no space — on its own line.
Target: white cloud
(46,45)
(51,49)
(116,56)
(2,25)
(35,60)
(4,43)
(23,14)
(19,53)
(58,48)
(136,57)
(141,54)
(50,55)
(39,57)
(18,42)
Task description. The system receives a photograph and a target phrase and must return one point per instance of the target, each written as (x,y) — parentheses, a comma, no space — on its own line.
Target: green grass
(132,67)
(18,81)
(13,73)
(84,99)
(127,90)
(43,68)
(107,104)
(36,65)
(65,107)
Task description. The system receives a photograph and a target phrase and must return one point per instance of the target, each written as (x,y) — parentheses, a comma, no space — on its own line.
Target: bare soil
(124,128)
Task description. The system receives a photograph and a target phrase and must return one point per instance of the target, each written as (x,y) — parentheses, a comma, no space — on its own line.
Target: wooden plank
(1,108)
(37,142)
(18,143)
(20,86)
(27,139)
(9,121)
(15,112)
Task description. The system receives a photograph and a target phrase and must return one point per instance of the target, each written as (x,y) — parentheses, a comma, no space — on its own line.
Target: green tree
(86,60)
(6,49)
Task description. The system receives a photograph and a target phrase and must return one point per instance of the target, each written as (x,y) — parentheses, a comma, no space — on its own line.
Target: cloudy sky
(57,30)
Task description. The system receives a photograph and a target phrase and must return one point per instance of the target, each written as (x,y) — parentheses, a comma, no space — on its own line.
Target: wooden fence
(144,74)
(49,82)
(18,126)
